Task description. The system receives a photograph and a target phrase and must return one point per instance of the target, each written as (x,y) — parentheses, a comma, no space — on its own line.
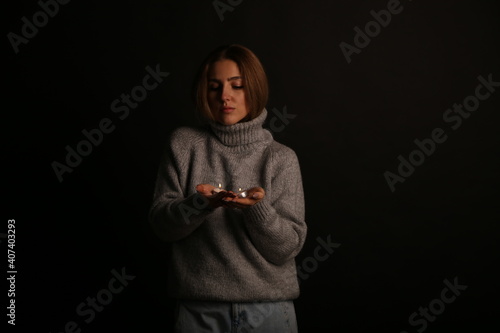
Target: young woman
(230,201)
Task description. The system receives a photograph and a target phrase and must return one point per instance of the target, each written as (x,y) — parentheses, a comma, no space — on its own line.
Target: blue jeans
(226,317)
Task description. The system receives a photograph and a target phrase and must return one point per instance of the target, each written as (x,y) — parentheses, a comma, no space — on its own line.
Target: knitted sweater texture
(222,254)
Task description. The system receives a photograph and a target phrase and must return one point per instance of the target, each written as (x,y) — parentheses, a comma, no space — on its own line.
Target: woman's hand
(214,198)
(254,195)
(229,199)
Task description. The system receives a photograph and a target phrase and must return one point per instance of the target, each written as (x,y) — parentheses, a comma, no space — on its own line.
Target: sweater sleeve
(173,215)
(276,224)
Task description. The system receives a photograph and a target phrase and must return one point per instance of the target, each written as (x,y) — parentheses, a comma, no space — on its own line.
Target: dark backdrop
(352,121)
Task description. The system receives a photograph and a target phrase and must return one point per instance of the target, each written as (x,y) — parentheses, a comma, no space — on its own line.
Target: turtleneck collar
(243,133)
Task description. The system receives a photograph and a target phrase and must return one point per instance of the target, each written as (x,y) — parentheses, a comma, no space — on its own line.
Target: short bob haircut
(255,82)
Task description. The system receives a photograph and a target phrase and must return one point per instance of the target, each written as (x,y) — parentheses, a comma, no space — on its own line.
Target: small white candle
(242,194)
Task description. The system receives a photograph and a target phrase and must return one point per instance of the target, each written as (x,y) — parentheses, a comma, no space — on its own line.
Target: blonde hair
(253,75)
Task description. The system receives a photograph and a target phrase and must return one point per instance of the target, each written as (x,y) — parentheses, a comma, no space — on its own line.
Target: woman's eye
(237,87)
(213,87)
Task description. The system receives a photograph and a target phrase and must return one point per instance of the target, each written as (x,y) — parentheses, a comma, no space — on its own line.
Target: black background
(352,121)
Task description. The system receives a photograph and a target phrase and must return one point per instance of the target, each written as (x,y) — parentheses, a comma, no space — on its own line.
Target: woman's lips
(227,110)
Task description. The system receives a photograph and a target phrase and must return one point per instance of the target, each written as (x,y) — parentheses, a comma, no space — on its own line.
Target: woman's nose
(226,94)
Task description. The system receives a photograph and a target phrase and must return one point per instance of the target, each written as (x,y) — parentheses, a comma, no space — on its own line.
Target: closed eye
(217,87)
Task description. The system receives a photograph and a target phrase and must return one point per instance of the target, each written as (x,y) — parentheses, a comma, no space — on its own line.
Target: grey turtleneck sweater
(234,255)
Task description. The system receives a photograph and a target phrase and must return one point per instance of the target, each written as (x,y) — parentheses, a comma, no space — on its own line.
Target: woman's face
(226,94)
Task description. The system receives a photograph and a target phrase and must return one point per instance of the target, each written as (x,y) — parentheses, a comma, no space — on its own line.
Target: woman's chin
(228,119)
